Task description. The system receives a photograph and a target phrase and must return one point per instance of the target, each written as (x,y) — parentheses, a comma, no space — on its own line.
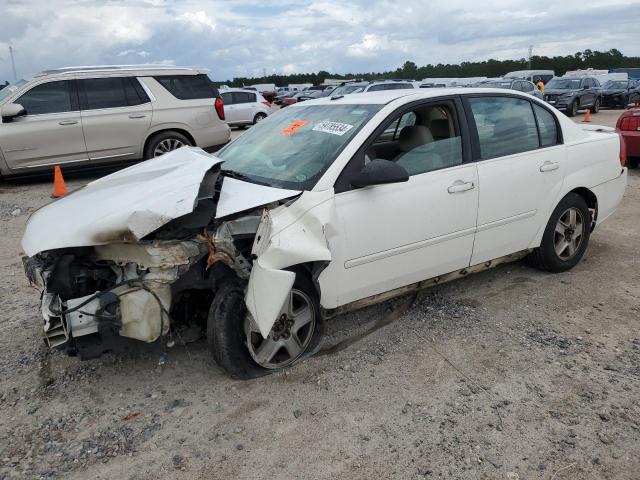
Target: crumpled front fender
(288,235)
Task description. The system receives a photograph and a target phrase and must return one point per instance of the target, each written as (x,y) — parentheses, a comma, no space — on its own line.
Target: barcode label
(333,128)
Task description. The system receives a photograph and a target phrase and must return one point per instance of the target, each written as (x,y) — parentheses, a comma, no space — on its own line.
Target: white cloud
(245,37)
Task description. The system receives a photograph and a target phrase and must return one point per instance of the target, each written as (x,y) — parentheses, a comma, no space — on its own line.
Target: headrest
(413,136)
(439,128)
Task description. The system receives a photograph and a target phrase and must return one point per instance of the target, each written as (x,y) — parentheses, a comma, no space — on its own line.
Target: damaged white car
(324,207)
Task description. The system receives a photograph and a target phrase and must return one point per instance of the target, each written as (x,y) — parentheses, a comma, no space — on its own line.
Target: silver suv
(90,116)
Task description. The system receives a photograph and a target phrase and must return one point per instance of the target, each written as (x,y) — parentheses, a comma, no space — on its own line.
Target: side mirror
(12,110)
(379,172)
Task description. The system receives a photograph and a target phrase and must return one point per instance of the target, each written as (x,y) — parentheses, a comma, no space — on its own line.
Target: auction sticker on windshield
(334,128)
(294,127)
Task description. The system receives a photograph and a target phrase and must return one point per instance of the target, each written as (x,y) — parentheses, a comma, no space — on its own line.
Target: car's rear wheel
(239,348)
(572,109)
(165,142)
(596,106)
(566,236)
(259,117)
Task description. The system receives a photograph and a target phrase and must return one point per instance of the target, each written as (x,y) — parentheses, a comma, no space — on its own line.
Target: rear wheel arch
(155,133)
(592,202)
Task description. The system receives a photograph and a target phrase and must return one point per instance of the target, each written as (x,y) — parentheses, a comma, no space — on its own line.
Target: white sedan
(324,207)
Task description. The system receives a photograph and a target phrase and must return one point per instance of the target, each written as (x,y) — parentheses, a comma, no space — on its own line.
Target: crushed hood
(134,202)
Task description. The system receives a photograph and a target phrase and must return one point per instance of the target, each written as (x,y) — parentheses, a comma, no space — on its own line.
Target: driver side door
(397,234)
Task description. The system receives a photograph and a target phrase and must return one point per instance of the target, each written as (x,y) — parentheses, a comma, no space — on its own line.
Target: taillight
(630,123)
(623,150)
(220,108)
(267,103)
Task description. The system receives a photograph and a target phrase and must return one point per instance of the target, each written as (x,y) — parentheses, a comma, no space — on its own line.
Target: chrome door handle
(549,166)
(137,115)
(460,186)
(67,122)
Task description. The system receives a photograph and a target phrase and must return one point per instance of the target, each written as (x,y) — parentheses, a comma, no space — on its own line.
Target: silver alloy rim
(568,233)
(167,145)
(289,337)
(259,118)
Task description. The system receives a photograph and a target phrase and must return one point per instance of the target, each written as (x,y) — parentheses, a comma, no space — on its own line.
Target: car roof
(147,70)
(387,96)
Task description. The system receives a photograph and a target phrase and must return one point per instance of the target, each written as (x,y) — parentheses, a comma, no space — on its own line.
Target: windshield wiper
(242,176)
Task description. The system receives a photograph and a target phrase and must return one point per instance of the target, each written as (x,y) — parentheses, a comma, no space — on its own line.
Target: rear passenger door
(244,106)
(116,115)
(521,164)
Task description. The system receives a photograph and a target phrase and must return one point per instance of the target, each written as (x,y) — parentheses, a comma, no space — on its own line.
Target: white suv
(89,116)
(245,107)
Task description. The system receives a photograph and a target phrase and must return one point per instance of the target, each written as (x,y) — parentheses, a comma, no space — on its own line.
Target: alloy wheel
(289,337)
(167,145)
(568,233)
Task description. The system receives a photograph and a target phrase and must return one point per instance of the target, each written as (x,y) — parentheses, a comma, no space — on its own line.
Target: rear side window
(188,87)
(244,97)
(111,92)
(51,97)
(547,126)
(506,126)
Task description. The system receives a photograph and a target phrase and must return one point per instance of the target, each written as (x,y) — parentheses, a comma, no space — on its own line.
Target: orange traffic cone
(587,116)
(59,188)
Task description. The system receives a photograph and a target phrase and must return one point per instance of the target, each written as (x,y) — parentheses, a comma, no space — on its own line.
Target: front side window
(227,98)
(377,88)
(505,126)
(426,139)
(50,97)
(293,147)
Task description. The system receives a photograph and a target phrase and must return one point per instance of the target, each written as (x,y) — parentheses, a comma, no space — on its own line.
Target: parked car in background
(283,228)
(514,84)
(244,107)
(90,116)
(620,93)
(279,98)
(533,76)
(573,94)
(290,100)
(628,126)
(373,86)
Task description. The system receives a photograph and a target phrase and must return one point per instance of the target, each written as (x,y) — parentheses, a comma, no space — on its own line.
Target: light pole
(13,64)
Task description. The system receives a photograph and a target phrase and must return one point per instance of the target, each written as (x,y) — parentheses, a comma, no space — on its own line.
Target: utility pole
(530,55)
(13,64)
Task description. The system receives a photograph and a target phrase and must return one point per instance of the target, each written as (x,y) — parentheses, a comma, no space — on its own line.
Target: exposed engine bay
(138,288)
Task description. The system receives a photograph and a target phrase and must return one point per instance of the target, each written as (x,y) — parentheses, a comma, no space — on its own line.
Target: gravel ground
(508,374)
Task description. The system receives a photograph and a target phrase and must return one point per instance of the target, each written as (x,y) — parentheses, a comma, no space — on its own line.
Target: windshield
(612,84)
(293,147)
(560,84)
(347,89)
(12,87)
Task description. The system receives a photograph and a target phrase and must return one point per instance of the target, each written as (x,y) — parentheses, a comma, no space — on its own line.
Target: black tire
(572,109)
(596,106)
(633,162)
(158,138)
(259,116)
(545,256)
(225,328)
(624,101)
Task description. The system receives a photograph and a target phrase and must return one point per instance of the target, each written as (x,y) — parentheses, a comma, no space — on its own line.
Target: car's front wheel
(165,142)
(566,236)
(238,346)
(572,109)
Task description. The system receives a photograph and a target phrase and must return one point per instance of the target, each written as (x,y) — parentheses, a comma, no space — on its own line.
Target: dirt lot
(509,374)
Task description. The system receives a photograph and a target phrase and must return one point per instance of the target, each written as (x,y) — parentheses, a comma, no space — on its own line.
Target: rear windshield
(188,87)
(293,147)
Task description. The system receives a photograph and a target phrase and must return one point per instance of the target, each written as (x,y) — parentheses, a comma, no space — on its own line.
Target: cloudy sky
(245,37)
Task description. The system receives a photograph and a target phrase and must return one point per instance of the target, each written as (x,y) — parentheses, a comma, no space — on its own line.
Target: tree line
(488,68)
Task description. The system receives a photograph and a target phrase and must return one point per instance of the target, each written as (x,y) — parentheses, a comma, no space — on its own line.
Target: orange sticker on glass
(294,127)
